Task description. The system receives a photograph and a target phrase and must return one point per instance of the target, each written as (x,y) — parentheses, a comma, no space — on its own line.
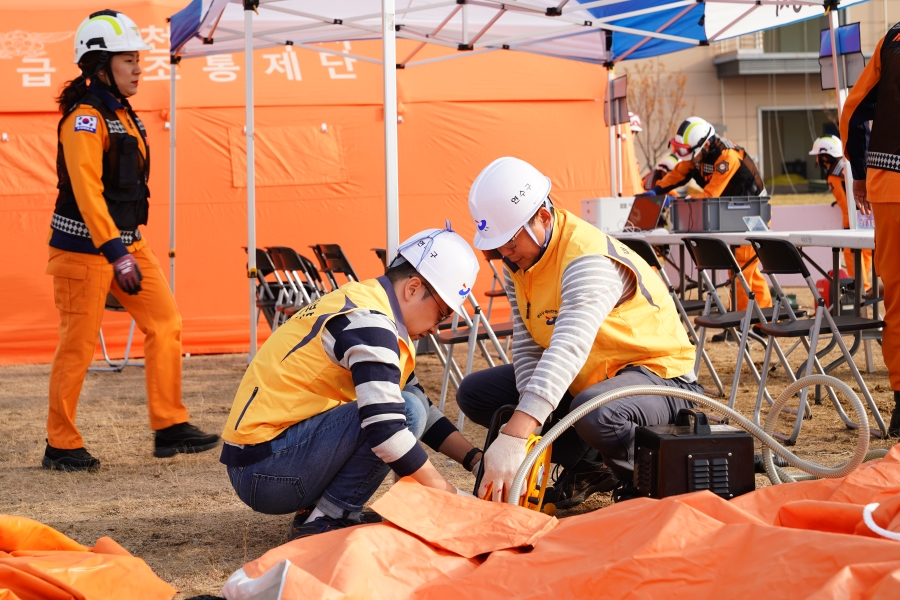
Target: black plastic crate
(718,214)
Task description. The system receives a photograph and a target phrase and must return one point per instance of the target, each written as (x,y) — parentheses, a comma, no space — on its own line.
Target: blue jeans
(324,461)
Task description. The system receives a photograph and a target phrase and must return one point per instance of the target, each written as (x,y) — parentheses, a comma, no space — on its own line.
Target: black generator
(690,456)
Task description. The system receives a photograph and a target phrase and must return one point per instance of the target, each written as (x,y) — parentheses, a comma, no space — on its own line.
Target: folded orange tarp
(800,540)
(39,563)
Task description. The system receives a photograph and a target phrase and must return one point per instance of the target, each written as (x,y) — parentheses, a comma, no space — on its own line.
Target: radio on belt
(689,457)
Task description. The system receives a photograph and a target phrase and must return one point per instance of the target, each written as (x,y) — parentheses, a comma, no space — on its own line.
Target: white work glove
(460,492)
(501,461)
(475,466)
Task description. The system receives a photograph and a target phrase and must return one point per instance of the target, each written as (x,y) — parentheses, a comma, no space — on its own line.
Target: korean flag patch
(85,123)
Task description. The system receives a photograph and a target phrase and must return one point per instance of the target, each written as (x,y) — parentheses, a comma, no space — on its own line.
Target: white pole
(840,92)
(251,179)
(172,79)
(391,168)
(612,132)
(620,180)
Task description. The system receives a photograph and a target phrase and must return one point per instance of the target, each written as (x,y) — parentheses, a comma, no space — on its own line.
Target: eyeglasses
(442,315)
(511,244)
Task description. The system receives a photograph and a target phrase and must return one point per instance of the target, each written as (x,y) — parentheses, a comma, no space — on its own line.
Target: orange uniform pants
(887,249)
(848,253)
(755,279)
(80,285)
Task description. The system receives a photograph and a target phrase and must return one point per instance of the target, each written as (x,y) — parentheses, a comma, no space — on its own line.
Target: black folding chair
(113,305)
(381,253)
(498,285)
(476,331)
(646,251)
(780,257)
(709,255)
(333,261)
(268,293)
(303,284)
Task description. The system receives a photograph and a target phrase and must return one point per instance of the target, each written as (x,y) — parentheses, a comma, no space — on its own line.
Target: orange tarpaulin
(39,563)
(320,159)
(799,540)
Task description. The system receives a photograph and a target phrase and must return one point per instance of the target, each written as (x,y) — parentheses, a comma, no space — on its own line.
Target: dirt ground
(182,516)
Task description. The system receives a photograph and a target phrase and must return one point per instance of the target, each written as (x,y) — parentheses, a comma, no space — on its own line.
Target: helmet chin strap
(547,232)
(105,64)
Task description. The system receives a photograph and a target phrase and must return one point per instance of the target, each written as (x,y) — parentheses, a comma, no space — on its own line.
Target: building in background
(763,92)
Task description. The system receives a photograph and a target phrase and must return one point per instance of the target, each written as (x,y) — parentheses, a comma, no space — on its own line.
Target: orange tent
(319,165)
(812,539)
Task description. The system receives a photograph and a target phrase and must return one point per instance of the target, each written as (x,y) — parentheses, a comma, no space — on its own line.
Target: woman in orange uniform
(96,248)
(874,159)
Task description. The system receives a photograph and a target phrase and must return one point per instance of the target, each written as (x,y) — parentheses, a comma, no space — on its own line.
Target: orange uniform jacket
(83,148)
(875,98)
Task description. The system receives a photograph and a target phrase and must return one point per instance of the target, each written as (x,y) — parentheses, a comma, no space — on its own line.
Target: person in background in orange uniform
(725,170)
(829,153)
(875,163)
(96,248)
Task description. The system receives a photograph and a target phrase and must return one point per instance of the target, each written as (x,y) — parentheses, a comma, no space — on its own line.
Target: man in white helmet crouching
(331,404)
(589,316)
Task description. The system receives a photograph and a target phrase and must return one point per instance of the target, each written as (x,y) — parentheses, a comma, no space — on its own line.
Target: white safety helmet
(690,137)
(829,144)
(446,262)
(667,162)
(504,196)
(110,31)
(635,122)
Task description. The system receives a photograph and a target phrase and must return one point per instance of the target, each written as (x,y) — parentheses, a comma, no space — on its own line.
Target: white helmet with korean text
(446,261)
(504,196)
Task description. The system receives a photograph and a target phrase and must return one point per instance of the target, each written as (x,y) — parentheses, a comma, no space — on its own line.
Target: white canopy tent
(598,31)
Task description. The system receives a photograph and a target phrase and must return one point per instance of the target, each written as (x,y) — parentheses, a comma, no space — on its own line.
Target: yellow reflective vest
(292,378)
(642,331)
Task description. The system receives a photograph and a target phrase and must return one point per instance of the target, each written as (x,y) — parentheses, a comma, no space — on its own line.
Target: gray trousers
(609,429)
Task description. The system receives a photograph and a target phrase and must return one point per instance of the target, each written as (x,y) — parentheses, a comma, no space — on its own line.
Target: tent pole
(172,79)
(251,175)
(840,93)
(612,131)
(391,168)
(620,180)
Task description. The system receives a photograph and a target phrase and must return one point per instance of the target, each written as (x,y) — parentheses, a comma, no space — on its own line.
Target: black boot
(725,335)
(894,427)
(183,437)
(77,459)
(575,485)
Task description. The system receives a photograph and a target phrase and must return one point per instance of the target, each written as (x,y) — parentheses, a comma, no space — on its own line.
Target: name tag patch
(85,123)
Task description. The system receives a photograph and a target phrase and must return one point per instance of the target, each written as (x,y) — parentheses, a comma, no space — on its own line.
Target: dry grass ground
(181,515)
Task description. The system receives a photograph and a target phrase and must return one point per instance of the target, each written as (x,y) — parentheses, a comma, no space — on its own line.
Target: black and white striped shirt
(592,285)
(365,343)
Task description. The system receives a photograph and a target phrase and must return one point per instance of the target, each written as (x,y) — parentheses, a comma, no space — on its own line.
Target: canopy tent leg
(840,93)
(391,167)
(172,79)
(251,177)
(612,132)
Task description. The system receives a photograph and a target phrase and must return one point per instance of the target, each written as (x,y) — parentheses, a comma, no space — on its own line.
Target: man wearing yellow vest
(829,154)
(589,316)
(330,403)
